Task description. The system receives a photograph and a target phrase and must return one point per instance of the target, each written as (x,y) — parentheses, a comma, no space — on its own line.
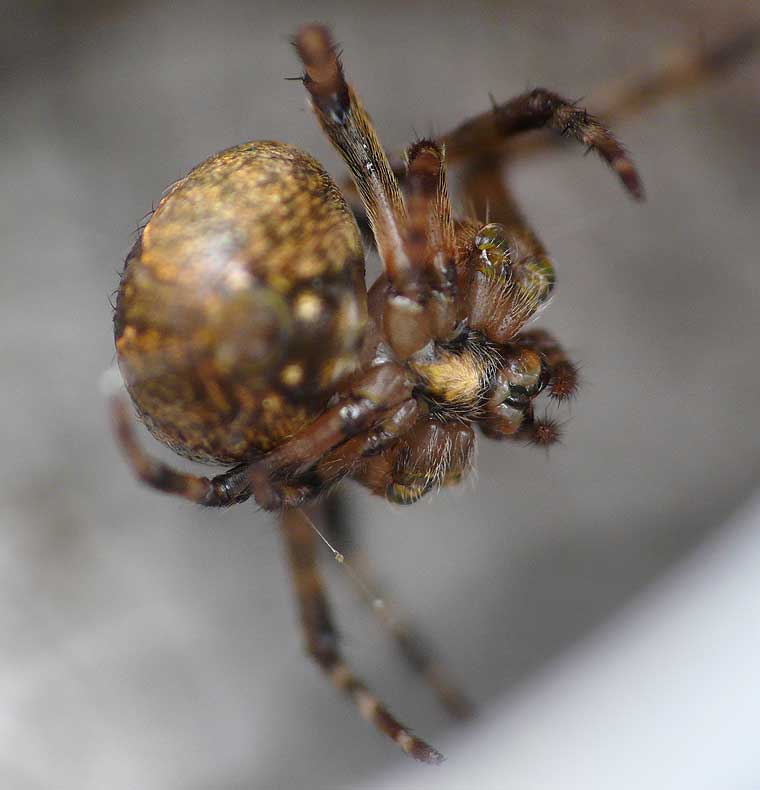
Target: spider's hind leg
(157,474)
(228,488)
(322,640)
(409,643)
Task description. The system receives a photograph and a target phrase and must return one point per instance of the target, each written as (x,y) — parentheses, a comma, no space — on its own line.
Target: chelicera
(247,338)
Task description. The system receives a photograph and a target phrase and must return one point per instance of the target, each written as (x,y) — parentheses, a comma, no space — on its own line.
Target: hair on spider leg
(543,431)
(564,381)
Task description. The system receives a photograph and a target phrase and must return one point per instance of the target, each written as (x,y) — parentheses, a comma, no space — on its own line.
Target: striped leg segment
(322,640)
(275,480)
(229,488)
(410,645)
(537,109)
(686,70)
(154,473)
(350,130)
(415,246)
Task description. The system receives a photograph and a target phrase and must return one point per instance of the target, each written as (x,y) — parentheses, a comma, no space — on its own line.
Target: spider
(246,336)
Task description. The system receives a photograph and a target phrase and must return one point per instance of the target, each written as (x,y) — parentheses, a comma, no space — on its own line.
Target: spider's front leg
(322,640)
(415,240)
(539,108)
(685,70)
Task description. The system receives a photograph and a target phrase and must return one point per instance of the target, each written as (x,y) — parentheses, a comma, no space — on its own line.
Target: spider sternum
(454,377)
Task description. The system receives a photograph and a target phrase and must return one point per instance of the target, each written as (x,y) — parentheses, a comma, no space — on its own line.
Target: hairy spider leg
(322,640)
(412,648)
(350,130)
(417,251)
(686,70)
(534,110)
(427,457)
(500,300)
(228,488)
(375,411)
(563,372)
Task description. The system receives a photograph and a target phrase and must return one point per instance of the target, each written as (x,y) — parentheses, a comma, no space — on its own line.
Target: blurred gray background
(146,643)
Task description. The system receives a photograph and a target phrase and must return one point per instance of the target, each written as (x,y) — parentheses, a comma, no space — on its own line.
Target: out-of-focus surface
(664,696)
(147,643)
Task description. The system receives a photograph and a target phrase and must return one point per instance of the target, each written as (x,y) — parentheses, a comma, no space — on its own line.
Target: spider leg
(417,249)
(347,457)
(373,397)
(423,306)
(534,110)
(485,189)
(563,372)
(154,473)
(382,394)
(409,643)
(685,71)
(349,128)
(322,639)
(500,303)
(428,456)
(378,405)
(223,490)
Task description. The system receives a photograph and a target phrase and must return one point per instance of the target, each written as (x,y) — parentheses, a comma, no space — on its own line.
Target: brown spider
(246,336)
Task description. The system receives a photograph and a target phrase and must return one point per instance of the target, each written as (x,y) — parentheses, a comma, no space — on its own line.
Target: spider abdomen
(243,304)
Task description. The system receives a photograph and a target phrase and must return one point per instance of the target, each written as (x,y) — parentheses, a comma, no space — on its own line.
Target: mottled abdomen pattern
(242,305)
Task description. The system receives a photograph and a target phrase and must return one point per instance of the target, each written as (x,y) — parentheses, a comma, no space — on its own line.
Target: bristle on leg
(543,432)
(563,380)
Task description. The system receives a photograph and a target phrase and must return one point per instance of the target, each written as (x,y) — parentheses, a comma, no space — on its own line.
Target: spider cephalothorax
(246,335)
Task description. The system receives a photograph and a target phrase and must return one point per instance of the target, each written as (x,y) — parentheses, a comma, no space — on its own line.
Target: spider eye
(493,242)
